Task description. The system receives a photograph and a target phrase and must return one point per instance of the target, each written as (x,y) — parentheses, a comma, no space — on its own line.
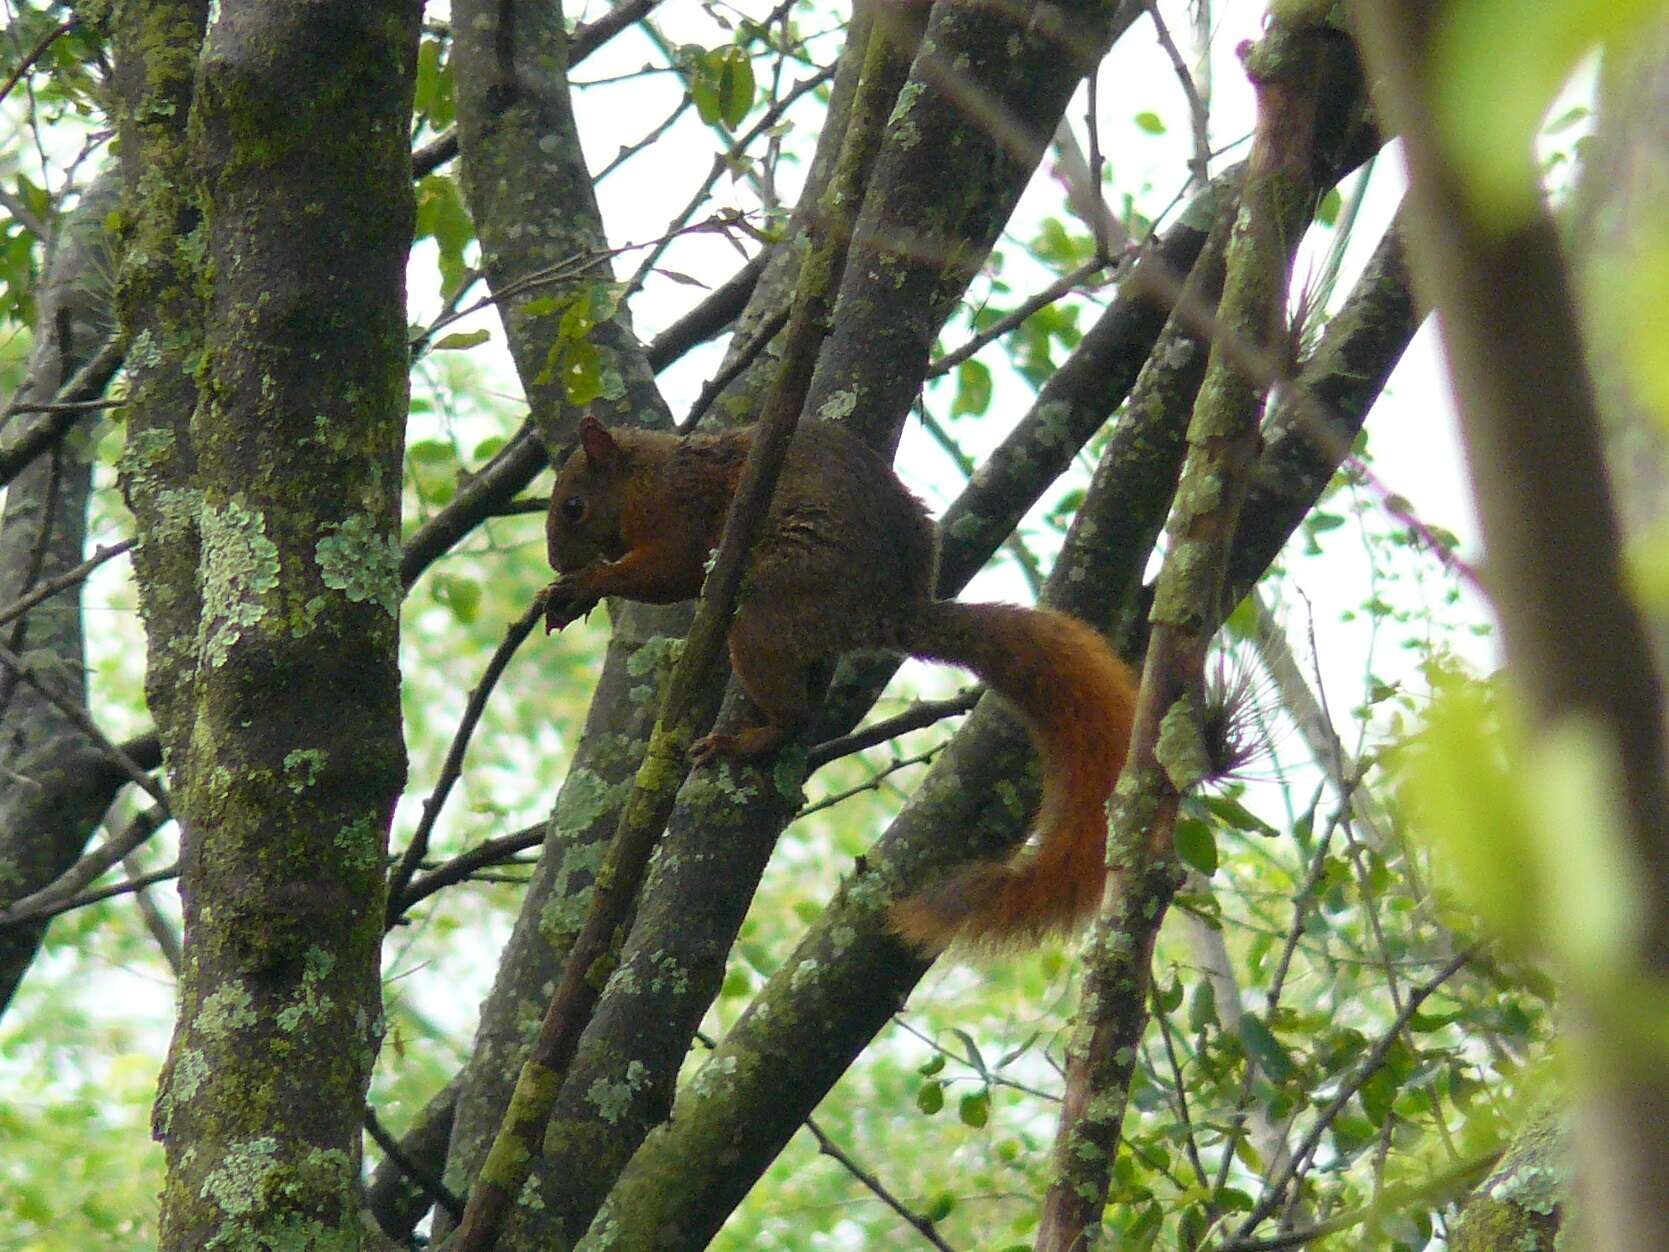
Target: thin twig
(78,716)
(432,1187)
(1042,300)
(452,768)
(89,381)
(872,784)
(113,850)
(919,715)
(723,161)
(1199,164)
(740,361)
(1188,1138)
(922,1226)
(36,53)
(69,578)
(465,864)
(163,932)
(1370,1065)
(133,884)
(1462,1175)
(74,406)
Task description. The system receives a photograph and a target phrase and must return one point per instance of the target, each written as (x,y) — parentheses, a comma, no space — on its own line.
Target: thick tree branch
(1286,68)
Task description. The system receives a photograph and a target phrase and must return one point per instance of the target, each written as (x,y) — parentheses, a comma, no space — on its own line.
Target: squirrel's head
(583,524)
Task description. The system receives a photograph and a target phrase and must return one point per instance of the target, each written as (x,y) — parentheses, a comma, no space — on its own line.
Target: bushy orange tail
(1077,699)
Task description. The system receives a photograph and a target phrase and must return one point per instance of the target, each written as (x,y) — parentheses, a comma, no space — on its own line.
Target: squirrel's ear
(600,448)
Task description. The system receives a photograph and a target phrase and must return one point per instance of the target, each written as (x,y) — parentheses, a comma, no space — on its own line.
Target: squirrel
(846,558)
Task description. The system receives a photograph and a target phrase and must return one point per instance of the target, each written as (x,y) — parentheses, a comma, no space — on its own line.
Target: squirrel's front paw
(565,602)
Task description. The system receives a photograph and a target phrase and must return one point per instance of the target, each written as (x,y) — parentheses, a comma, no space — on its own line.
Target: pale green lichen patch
(177,510)
(316,966)
(719,1070)
(302,767)
(357,560)
(1181,748)
(239,1184)
(145,452)
(226,1009)
(239,568)
(190,1068)
(839,405)
(655,654)
(612,1099)
(669,975)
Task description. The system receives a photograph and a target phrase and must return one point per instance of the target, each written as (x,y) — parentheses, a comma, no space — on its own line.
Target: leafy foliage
(1310,912)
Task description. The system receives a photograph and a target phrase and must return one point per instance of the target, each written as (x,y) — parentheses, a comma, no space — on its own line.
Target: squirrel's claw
(564,603)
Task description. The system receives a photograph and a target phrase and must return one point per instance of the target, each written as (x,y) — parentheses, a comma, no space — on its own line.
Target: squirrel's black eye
(573,508)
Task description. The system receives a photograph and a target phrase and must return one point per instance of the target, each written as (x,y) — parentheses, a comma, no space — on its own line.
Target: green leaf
(1262,1046)
(35,197)
(975,1108)
(704,89)
(1496,67)
(443,217)
(1196,845)
(931,1098)
(973,389)
(735,88)
(1237,816)
(736,984)
(1145,1228)
(582,372)
(722,86)
(435,81)
(431,452)
(461,595)
(1377,1095)
(1150,122)
(463,339)
(1327,212)
(932,1065)
(1202,1006)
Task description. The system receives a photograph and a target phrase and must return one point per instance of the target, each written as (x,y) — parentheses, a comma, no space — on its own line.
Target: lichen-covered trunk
(1286,69)
(284,711)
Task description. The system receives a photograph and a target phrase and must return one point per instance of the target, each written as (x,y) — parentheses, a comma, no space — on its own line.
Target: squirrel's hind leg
(771,666)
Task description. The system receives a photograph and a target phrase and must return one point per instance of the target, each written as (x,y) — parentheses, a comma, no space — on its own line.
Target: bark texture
(1286,69)
(283,686)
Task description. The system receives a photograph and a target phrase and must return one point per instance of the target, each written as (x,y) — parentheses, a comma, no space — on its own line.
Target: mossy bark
(988,87)
(159,298)
(288,720)
(623,706)
(1520,1206)
(530,194)
(1286,69)
(531,198)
